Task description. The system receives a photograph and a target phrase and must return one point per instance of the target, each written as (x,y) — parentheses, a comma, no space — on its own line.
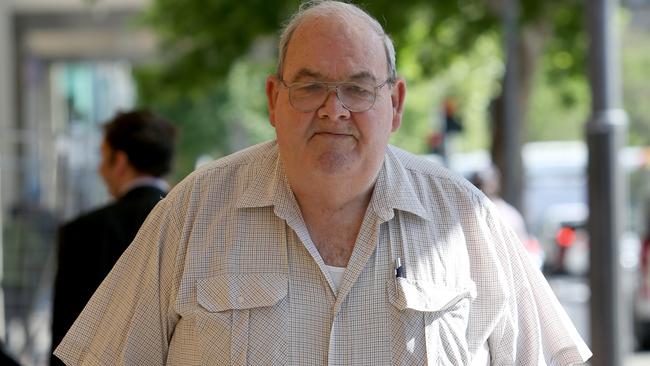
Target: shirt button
(240,300)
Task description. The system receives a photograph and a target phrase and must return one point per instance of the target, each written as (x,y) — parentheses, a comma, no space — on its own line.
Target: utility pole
(605,132)
(511,174)
(6,124)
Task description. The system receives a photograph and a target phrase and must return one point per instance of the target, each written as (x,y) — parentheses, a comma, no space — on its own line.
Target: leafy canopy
(215,54)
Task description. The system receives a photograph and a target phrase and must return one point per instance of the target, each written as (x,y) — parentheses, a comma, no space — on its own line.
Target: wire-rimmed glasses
(308,96)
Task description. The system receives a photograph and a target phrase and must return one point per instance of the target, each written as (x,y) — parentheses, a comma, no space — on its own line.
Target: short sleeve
(533,328)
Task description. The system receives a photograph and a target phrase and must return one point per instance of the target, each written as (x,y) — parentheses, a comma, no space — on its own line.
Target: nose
(332,108)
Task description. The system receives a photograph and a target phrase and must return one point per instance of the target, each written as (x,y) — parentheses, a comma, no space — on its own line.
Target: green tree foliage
(560,104)
(636,89)
(471,81)
(215,54)
(202,39)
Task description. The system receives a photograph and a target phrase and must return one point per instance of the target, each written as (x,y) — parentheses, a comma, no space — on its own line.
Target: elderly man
(326,246)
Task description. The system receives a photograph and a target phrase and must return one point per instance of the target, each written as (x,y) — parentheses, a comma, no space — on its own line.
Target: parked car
(572,258)
(571,250)
(562,229)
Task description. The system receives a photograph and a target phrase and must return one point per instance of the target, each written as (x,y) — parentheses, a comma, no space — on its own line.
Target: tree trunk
(530,43)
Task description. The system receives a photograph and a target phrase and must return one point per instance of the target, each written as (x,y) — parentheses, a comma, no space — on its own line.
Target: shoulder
(76,234)
(242,157)
(430,178)
(223,180)
(143,192)
(140,199)
(422,166)
(89,220)
(233,163)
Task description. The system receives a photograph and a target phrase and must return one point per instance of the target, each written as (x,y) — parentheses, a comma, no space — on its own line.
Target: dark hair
(147,139)
(488,180)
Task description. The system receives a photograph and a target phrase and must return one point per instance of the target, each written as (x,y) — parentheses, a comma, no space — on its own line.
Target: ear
(397,97)
(272,89)
(121,162)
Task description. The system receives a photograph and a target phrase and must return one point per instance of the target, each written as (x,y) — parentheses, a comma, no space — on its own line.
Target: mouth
(332,134)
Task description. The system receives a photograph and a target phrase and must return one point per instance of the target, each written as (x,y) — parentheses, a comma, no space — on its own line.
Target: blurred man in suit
(136,151)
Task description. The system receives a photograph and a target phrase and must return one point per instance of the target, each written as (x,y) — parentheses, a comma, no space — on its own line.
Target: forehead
(336,48)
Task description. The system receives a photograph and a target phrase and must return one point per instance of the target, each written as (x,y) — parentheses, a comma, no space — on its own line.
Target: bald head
(342,14)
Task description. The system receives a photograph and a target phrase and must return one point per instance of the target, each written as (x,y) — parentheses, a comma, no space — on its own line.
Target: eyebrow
(310,74)
(307,74)
(363,76)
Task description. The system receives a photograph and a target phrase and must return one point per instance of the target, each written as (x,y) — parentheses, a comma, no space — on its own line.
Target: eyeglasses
(308,96)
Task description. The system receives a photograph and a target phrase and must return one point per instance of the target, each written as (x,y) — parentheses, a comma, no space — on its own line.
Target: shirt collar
(146,181)
(270,187)
(394,190)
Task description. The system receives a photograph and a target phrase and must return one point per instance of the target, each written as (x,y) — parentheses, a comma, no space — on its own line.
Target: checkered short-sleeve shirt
(223,272)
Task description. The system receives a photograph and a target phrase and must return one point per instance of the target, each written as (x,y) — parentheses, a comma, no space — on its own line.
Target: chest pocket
(242,319)
(428,322)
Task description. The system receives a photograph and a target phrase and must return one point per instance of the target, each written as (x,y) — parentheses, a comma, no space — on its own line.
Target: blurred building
(640,13)
(65,67)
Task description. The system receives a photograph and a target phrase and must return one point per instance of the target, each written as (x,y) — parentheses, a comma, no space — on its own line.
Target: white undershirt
(337,275)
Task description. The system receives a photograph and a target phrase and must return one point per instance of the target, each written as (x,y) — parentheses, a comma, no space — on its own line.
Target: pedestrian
(488,180)
(136,153)
(326,245)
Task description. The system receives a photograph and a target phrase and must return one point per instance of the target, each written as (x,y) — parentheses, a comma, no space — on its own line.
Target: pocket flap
(425,296)
(241,291)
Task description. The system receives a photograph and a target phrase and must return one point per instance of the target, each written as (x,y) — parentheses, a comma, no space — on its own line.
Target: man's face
(332,140)
(109,170)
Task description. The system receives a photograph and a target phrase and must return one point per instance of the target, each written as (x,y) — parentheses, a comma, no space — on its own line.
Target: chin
(333,163)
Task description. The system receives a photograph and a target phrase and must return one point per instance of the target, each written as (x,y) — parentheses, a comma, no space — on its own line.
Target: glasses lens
(357,97)
(307,96)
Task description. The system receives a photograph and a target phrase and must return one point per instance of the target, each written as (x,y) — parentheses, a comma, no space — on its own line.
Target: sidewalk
(638,359)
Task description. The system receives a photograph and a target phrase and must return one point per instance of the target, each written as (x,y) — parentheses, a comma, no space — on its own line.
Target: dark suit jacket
(88,247)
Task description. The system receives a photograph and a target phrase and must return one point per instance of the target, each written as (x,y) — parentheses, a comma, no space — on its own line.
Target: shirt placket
(340,343)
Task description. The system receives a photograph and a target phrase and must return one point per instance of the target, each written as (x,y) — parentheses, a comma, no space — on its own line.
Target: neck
(333,211)
(319,194)
(147,181)
(135,179)
(333,204)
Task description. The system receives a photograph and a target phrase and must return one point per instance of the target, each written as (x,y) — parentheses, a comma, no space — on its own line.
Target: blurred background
(66,66)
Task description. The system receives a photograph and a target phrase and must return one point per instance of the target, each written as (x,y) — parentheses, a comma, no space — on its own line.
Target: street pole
(511,174)
(605,132)
(6,124)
